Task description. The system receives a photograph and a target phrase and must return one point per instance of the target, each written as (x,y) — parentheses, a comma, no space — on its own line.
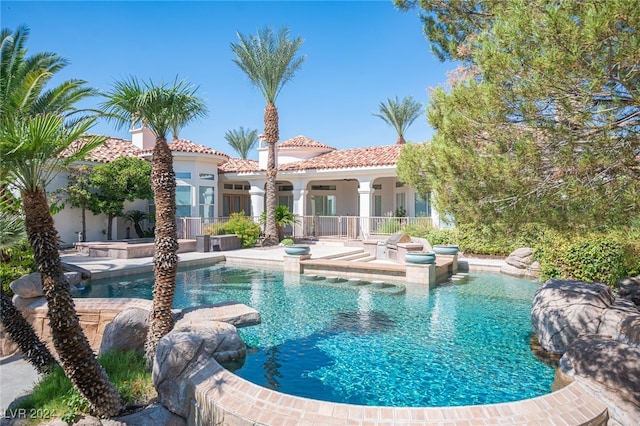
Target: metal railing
(340,227)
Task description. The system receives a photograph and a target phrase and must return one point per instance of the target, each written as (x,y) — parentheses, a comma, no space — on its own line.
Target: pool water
(369,344)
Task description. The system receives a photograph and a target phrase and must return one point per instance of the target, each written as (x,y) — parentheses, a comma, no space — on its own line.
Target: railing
(340,227)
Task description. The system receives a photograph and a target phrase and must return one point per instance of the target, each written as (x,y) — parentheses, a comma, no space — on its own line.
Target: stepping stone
(313,277)
(332,279)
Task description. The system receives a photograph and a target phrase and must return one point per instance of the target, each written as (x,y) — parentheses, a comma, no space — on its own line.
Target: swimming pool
(370,344)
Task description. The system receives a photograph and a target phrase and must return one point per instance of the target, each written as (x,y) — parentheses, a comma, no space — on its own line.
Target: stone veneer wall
(94,316)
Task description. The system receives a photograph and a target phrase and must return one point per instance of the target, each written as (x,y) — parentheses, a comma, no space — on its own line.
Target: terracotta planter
(297,250)
(448,249)
(420,257)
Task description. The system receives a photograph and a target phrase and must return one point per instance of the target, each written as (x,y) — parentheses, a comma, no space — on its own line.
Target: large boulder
(234,313)
(30,286)
(520,264)
(630,288)
(611,367)
(563,310)
(153,415)
(186,349)
(613,318)
(127,331)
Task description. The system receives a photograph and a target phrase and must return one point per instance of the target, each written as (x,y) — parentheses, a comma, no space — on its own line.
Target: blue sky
(359,53)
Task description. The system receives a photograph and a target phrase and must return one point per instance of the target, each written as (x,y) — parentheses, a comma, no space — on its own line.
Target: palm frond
(399,114)
(268,59)
(161,107)
(242,140)
(34,150)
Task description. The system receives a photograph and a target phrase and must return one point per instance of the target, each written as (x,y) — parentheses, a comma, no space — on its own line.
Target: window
(377,186)
(323,187)
(285,188)
(183,175)
(377,205)
(207,176)
(401,201)
(183,201)
(286,200)
(423,205)
(323,205)
(399,184)
(228,186)
(206,199)
(232,203)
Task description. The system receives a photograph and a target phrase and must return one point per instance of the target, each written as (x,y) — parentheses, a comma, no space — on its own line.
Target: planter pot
(420,257)
(297,250)
(448,249)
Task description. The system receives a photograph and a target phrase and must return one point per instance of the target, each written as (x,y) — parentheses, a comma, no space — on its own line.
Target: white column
(257,198)
(365,193)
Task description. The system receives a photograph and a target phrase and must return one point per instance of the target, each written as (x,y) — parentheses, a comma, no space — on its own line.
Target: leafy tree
(35,144)
(269,60)
(547,128)
(124,179)
(399,114)
(78,193)
(242,140)
(163,108)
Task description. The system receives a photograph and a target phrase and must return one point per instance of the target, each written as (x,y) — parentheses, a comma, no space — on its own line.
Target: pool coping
(218,396)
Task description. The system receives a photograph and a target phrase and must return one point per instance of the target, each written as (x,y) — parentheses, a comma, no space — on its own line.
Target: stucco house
(343,193)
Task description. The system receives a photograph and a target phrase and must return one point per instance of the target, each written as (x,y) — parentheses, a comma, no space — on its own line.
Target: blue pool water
(459,344)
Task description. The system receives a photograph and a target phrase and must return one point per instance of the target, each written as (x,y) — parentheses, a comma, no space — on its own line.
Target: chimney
(142,138)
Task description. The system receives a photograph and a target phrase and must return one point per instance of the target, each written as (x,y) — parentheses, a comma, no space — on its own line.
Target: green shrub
(287,242)
(590,257)
(215,229)
(55,394)
(244,227)
(19,262)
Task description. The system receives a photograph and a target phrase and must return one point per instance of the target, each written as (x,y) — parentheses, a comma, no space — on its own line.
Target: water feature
(372,343)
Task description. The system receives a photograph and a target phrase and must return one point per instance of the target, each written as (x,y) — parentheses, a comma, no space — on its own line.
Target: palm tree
(18,329)
(163,108)
(136,217)
(31,150)
(242,140)
(399,114)
(269,60)
(35,144)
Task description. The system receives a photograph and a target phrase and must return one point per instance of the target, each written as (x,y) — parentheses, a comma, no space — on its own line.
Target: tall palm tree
(269,60)
(33,139)
(19,330)
(242,140)
(31,150)
(399,114)
(163,108)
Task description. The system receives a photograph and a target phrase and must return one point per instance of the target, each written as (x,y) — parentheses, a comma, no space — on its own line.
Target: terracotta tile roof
(111,149)
(184,145)
(349,158)
(303,141)
(238,165)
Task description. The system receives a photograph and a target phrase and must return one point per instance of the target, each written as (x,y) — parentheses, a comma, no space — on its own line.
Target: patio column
(257,198)
(299,208)
(365,192)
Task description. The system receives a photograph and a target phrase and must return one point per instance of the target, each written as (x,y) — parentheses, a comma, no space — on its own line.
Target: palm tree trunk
(76,356)
(165,260)
(272,135)
(23,334)
(400,140)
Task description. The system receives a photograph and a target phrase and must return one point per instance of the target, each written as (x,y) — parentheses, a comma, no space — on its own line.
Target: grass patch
(56,396)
